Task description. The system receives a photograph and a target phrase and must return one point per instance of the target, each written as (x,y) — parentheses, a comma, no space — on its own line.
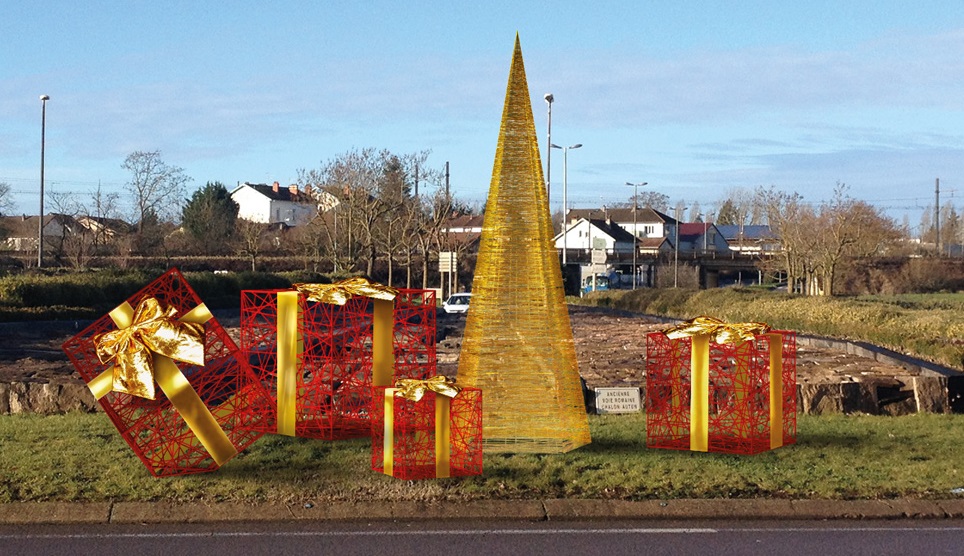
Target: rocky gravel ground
(610,347)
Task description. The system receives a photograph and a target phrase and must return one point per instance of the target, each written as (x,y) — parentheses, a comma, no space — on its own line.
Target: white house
(273,204)
(583,235)
(646,223)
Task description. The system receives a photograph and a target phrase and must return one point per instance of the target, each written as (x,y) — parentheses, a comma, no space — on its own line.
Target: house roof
(113,224)
(653,243)
(27,226)
(613,230)
(750,232)
(692,231)
(644,215)
(282,194)
(465,221)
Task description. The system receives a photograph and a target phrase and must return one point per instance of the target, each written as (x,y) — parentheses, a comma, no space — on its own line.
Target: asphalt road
(823,538)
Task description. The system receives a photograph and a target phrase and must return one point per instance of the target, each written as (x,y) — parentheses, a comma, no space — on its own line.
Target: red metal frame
(153,428)
(335,379)
(739,392)
(413,436)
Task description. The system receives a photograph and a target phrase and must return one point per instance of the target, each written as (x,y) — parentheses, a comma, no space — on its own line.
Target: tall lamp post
(636,187)
(565,189)
(43,133)
(676,249)
(549,98)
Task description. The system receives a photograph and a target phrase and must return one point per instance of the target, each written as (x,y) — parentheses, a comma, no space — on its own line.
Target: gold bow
(718,331)
(413,389)
(154,328)
(340,292)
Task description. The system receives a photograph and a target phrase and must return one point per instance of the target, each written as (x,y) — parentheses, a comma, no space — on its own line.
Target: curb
(509,510)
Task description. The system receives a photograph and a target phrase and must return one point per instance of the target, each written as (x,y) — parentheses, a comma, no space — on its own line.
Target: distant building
(20,232)
(647,222)
(701,237)
(750,239)
(584,234)
(273,204)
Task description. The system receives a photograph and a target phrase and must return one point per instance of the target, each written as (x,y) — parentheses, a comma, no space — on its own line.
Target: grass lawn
(80,457)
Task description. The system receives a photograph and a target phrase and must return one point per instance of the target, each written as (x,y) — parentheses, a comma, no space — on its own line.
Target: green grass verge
(80,457)
(929,326)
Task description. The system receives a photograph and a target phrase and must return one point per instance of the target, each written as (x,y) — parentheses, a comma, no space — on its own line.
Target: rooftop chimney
(293,189)
(274,187)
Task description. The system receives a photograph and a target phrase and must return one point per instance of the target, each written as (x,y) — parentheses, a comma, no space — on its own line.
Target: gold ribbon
(414,390)
(704,329)
(143,350)
(291,343)
(340,292)
(719,331)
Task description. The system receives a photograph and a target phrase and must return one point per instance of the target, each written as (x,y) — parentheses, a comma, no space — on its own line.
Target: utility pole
(937,214)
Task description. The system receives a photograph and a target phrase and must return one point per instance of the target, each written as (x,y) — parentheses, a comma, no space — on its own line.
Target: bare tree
(251,240)
(156,188)
(6,200)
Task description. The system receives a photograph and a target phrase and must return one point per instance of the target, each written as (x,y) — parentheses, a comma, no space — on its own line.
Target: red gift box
(319,360)
(197,419)
(436,436)
(743,401)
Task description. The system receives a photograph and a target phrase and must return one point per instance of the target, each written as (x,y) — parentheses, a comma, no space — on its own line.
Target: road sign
(447,261)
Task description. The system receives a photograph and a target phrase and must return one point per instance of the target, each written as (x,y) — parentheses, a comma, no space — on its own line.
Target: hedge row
(34,296)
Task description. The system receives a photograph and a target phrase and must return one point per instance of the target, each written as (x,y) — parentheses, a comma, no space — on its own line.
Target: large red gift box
(319,359)
(433,436)
(197,419)
(734,397)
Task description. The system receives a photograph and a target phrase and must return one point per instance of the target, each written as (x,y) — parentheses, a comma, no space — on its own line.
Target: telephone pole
(937,214)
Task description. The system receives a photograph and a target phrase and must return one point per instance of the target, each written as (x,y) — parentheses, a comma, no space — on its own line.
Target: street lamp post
(565,189)
(635,231)
(676,249)
(549,98)
(43,133)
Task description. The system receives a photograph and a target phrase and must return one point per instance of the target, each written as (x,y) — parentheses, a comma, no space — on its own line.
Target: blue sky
(695,98)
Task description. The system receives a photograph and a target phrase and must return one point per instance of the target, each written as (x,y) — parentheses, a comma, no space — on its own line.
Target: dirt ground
(610,347)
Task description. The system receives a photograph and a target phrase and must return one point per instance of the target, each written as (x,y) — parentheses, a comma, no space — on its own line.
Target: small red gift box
(168,376)
(318,349)
(427,429)
(717,387)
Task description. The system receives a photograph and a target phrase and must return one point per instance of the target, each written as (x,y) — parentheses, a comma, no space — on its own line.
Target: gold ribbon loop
(153,329)
(340,292)
(718,331)
(413,389)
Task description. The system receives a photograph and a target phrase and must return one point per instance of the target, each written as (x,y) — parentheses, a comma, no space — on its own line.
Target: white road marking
(632,531)
(647,531)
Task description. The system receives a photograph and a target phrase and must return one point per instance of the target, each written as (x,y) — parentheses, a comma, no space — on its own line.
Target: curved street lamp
(565,188)
(636,187)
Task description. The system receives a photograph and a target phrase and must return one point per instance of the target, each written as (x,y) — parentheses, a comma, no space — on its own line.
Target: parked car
(458,303)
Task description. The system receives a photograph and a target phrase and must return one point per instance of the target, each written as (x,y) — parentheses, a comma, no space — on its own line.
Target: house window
(649,230)
(277,215)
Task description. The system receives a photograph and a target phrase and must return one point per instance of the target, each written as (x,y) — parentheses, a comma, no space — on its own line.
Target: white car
(458,303)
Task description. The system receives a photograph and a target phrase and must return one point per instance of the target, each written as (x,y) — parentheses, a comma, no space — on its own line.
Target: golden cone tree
(518,345)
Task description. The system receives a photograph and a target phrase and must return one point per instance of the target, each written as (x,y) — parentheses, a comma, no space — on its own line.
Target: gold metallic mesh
(518,345)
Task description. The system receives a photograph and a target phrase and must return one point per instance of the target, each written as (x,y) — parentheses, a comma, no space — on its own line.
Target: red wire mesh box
(748,401)
(319,360)
(435,437)
(196,420)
